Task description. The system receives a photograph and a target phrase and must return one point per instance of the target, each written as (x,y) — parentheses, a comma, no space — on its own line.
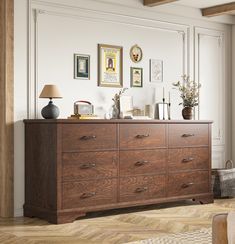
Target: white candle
(169,97)
(163,92)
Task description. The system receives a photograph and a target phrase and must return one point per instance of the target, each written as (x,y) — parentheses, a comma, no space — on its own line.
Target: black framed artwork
(81,66)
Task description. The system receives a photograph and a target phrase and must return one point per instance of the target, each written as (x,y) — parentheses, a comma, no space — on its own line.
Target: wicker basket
(223,181)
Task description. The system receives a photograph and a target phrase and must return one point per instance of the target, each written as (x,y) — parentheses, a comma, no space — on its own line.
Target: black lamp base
(50,111)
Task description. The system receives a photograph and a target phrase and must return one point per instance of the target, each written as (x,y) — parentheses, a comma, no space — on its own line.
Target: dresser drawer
(188,159)
(188,183)
(143,162)
(188,135)
(89,193)
(76,137)
(142,187)
(89,165)
(142,136)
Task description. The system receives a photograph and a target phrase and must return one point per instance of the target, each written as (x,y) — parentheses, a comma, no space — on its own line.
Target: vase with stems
(189,92)
(115,110)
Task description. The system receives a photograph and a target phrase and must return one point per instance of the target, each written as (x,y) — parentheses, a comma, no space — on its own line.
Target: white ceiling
(201,3)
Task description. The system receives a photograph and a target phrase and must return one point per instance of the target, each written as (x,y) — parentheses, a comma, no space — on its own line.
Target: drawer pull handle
(187,185)
(87,166)
(142,136)
(85,138)
(87,195)
(188,135)
(187,160)
(140,163)
(141,189)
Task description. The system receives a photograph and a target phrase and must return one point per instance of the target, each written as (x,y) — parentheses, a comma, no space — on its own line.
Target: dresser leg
(69,217)
(204,200)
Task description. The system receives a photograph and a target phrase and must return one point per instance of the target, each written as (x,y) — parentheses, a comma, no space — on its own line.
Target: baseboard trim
(18,212)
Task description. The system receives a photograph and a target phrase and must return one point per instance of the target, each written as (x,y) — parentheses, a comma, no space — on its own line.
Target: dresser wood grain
(89,165)
(77,166)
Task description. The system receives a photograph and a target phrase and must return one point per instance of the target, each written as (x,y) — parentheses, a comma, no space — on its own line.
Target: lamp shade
(50,91)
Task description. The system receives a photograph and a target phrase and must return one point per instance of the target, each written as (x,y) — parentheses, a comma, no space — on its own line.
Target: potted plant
(189,92)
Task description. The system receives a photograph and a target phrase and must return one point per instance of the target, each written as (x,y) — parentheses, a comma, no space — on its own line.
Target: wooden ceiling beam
(219,10)
(152,3)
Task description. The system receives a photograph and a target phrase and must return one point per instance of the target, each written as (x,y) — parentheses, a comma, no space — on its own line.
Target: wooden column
(6,108)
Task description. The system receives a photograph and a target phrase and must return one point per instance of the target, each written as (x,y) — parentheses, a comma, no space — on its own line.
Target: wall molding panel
(219,116)
(36,11)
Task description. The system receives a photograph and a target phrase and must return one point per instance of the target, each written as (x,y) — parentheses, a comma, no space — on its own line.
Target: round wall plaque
(136,54)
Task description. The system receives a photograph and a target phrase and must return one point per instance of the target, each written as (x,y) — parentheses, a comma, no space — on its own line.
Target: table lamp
(50,111)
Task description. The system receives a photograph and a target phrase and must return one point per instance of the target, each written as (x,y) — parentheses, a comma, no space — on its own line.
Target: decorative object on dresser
(126,107)
(83,110)
(163,110)
(156,70)
(115,110)
(73,167)
(136,54)
(110,61)
(190,94)
(136,77)
(81,66)
(50,111)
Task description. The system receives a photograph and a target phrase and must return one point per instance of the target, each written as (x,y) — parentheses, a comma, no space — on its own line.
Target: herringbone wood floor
(116,226)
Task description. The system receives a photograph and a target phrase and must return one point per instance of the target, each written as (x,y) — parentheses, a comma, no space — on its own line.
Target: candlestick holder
(169,111)
(163,100)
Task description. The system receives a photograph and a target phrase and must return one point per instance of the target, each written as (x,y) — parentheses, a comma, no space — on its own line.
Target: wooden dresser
(73,167)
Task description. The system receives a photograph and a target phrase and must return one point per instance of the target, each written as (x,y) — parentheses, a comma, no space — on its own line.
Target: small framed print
(156,70)
(110,59)
(136,77)
(81,66)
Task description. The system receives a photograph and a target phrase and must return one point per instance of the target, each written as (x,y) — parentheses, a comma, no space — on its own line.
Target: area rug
(203,236)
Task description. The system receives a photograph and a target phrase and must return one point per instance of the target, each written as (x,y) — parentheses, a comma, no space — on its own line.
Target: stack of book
(83,116)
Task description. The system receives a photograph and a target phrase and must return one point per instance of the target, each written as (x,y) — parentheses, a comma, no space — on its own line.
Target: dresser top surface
(114,121)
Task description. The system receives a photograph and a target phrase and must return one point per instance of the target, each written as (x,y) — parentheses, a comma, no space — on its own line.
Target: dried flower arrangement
(189,91)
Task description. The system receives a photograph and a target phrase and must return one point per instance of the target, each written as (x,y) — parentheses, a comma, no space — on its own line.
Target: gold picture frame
(110,65)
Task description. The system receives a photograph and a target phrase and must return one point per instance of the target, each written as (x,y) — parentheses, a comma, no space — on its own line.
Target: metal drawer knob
(88,166)
(87,195)
(140,163)
(141,189)
(85,138)
(142,136)
(187,160)
(186,185)
(188,135)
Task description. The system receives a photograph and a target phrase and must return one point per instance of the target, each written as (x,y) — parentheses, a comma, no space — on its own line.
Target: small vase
(187,113)
(115,112)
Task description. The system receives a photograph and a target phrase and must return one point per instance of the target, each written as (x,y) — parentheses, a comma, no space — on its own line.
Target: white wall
(186,45)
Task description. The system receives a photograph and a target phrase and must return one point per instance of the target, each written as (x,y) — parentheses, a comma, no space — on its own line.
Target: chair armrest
(219,229)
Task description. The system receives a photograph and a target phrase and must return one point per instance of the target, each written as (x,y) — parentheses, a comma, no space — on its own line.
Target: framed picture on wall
(136,77)
(81,66)
(136,54)
(110,61)
(156,70)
